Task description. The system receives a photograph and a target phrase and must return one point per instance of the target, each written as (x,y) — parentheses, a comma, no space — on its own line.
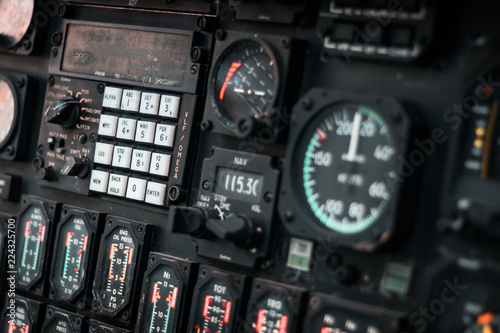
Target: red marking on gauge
(85,240)
(232,70)
(112,250)
(321,134)
(12,327)
(43,234)
(227,313)
(68,236)
(27,228)
(132,71)
(174,298)
(326,330)
(284,324)
(260,320)
(130,256)
(208,300)
(156,293)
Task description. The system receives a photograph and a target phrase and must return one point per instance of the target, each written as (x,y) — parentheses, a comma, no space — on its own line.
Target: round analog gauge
(71,256)
(348,158)
(32,244)
(15,16)
(116,271)
(161,303)
(244,83)
(7,109)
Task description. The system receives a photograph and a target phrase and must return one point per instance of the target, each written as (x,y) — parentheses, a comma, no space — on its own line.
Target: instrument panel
(246,166)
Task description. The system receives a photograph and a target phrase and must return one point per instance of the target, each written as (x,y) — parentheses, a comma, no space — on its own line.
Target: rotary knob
(64,112)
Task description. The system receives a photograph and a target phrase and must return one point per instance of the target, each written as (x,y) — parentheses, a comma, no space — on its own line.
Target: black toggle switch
(76,166)
(47,174)
(64,112)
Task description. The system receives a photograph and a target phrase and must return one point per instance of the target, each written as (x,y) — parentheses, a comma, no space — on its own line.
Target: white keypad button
(131,100)
(112,98)
(164,135)
(169,106)
(136,189)
(155,193)
(107,125)
(160,164)
(126,128)
(122,157)
(140,160)
(99,181)
(117,185)
(150,103)
(145,131)
(103,153)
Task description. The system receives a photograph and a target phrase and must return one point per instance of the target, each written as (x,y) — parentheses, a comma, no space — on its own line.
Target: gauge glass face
(22,321)
(245,84)
(162,301)
(71,257)
(348,159)
(7,110)
(33,235)
(214,308)
(15,16)
(60,323)
(270,315)
(116,271)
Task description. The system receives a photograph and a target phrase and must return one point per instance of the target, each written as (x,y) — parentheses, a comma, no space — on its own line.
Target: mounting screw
(93,137)
(206,125)
(140,229)
(10,150)
(56,38)
(51,81)
(176,194)
(20,83)
(40,149)
(206,185)
(201,23)
(152,260)
(220,35)
(54,51)
(314,302)
(268,197)
(27,45)
(100,88)
(194,69)
(285,42)
(94,307)
(37,163)
(306,104)
(288,216)
(61,10)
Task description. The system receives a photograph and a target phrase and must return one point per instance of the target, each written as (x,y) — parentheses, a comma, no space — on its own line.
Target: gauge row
(218,306)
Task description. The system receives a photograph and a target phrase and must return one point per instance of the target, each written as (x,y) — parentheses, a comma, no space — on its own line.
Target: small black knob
(64,112)
(76,166)
(47,174)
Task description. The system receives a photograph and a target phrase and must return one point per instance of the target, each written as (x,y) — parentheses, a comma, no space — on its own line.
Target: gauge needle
(353,146)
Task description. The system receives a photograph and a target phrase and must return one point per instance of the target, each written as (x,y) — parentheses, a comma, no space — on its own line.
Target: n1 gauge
(216,301)
(75,245)
(165,294)
(344,169)
(274,308)
(34,230)
(120,260)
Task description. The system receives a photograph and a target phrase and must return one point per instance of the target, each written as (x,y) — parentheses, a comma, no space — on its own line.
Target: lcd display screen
(133,55)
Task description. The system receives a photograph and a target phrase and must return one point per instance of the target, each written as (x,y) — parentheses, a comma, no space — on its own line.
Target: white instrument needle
(353,146)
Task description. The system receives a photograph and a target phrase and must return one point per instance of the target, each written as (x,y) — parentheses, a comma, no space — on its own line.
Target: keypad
(136,137)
